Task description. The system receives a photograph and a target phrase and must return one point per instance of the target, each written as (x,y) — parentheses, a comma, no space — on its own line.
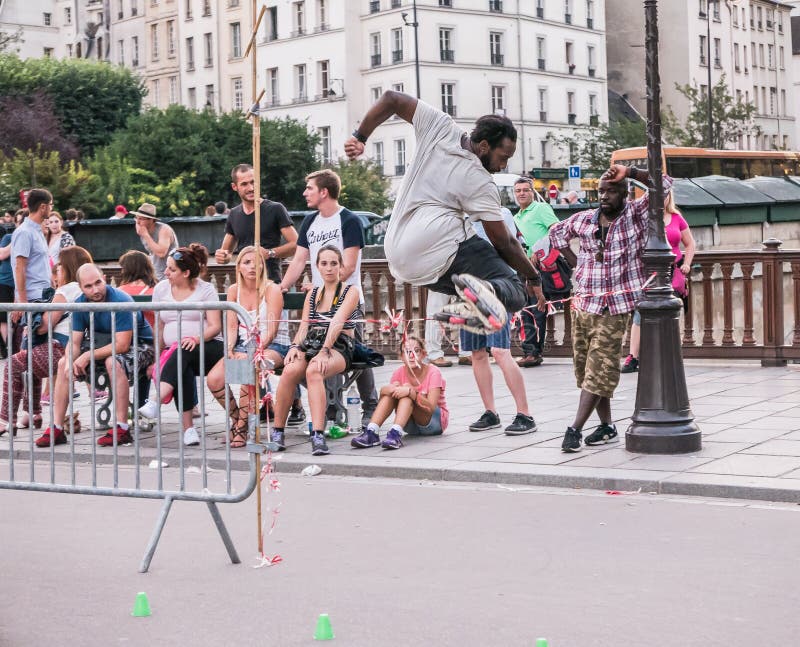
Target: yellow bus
(698,162)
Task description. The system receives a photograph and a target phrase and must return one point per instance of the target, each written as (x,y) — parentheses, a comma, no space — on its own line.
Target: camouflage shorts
(597,350)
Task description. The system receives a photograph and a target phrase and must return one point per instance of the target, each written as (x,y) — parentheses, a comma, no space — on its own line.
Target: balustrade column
(747,294)
(727,304)
(772,286)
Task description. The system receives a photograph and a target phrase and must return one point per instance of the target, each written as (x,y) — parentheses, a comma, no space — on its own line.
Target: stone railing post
(772,287)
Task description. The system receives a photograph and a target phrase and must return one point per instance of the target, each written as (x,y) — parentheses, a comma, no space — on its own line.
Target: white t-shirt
(342,230)
(191,320)
(70,292)
(444,189)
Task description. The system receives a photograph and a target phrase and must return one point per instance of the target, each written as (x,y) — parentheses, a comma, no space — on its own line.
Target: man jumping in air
(430,241)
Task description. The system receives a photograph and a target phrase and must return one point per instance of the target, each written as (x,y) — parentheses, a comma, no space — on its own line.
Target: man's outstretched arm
(390,103)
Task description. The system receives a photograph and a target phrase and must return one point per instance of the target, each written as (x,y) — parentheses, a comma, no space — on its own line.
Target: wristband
(359,136)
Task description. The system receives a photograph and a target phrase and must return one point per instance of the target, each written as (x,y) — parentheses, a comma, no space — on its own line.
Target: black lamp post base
(669,438)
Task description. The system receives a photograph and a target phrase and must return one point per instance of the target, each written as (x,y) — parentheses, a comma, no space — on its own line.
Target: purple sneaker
(394,440)
(367,438)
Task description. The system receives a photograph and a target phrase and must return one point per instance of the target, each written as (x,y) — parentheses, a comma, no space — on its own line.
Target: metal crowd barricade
(16,454)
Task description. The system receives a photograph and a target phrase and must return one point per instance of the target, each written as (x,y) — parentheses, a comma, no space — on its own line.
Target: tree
(730,119)
(591,147)
(91,99)
(177,140)
(31,124)
(9,38)
(364,188)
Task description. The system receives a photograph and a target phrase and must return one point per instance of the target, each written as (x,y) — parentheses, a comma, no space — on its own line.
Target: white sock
(397,428)
(373,427)
(123,426)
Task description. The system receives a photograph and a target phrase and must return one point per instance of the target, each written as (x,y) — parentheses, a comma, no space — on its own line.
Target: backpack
(556,274)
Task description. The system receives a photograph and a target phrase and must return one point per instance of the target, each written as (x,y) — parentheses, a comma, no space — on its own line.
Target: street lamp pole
(415,25)
(663,422)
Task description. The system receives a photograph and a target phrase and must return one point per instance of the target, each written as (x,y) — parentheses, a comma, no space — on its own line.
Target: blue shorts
(433,428)
(637,318)
(281,349)
(474,341)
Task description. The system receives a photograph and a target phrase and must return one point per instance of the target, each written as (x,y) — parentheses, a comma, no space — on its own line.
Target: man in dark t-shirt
(240,228)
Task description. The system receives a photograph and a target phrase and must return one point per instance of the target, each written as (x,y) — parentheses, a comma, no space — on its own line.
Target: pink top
(676,225)
(432,380)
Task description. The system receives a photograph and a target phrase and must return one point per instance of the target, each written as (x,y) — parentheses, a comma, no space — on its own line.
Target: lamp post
(415,25)
(663,422)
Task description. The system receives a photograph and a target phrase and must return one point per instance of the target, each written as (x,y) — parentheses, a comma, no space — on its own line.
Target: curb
(671,483)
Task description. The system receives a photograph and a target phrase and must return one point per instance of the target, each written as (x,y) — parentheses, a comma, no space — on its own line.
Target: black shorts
(6,296)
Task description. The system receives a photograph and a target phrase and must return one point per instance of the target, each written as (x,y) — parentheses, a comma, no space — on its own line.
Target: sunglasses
(176,256)
(600,234)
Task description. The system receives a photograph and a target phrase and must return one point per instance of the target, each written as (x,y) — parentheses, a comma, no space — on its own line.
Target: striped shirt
(621,269)
(321,318)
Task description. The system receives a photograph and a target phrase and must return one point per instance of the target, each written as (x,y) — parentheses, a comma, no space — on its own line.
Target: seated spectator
(94,290)
(415,394)
(196,327)
(323,347)
(137,277)
(267,304)
(72,258)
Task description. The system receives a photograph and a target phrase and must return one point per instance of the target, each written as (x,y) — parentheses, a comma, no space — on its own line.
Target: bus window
(734,168)
(760,166)
(682,167)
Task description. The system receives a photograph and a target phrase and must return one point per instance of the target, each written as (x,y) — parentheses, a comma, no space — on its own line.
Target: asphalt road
(398,563)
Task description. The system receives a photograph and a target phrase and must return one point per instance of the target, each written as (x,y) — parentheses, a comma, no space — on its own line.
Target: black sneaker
(277,437)
(489,420)
(318,445)
(630,365)
(572,441)
(522,425)
(602,435)
(297,416)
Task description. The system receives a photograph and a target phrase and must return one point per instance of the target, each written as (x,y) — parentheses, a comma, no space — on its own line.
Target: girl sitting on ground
(415,394)
(267,302)
(323,347)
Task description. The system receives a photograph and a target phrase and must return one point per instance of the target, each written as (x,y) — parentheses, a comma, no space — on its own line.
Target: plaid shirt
(621,268)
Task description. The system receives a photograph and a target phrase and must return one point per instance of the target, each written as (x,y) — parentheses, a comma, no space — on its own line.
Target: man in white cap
(158,238)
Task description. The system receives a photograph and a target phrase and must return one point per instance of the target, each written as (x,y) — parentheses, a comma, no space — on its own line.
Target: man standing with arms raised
(448,186)
(241,226)
(332,224)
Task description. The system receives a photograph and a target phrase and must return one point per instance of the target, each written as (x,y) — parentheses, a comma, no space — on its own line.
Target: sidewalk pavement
(749,416)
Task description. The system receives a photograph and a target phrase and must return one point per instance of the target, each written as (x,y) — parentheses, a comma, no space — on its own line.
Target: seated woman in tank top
(273,333)
(323,347)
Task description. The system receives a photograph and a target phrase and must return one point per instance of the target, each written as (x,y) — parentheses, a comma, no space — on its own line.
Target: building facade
(749,41)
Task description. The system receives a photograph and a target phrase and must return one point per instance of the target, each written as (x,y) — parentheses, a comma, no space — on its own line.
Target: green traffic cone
(324,630)
(141,608)
(541,642)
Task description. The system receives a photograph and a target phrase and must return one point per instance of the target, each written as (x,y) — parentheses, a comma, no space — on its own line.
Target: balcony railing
(399,169)
(375,60)
(540,12)
(445,3)
(568,18)
(594,120)
(447,55)
(397,56)
(543,115)
(300,31)
(496,6)
(497,59)
(571,117)
(396,4)
(540,63)
(592,71)
(322,27)
(300,98)
(374,6)
(590,23)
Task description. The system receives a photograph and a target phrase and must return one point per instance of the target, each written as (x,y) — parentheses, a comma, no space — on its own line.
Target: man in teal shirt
(534,220)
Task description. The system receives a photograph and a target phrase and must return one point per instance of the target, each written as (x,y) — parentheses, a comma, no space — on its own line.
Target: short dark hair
(522,179)
(136,266)
(494,129)
(326,179)
(38,197)
(239,168)
(220,207)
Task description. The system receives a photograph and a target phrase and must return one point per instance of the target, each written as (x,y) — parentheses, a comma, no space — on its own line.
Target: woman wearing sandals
(197,327)
(323,347)
(267,302)
(68,290)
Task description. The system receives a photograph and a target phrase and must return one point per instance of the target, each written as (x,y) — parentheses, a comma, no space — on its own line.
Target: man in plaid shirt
(607,281)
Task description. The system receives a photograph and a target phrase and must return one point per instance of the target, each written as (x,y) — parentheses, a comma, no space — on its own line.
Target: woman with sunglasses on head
(262,298)
(197,328)
(415,394)
(323,347)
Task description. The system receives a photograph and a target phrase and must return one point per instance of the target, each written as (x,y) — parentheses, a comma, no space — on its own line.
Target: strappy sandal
(239,435)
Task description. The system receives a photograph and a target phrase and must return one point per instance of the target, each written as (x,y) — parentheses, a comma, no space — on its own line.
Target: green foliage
(92,99)
(730,119)
(592,147)
(69,183)
(363,186)
(177,141)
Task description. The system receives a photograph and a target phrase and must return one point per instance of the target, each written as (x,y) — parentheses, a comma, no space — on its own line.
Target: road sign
(575,172)
(552,191)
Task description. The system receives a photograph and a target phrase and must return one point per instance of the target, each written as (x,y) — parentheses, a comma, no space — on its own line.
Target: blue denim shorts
(637,318)
(474,341)
(433,428)
(281,349)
